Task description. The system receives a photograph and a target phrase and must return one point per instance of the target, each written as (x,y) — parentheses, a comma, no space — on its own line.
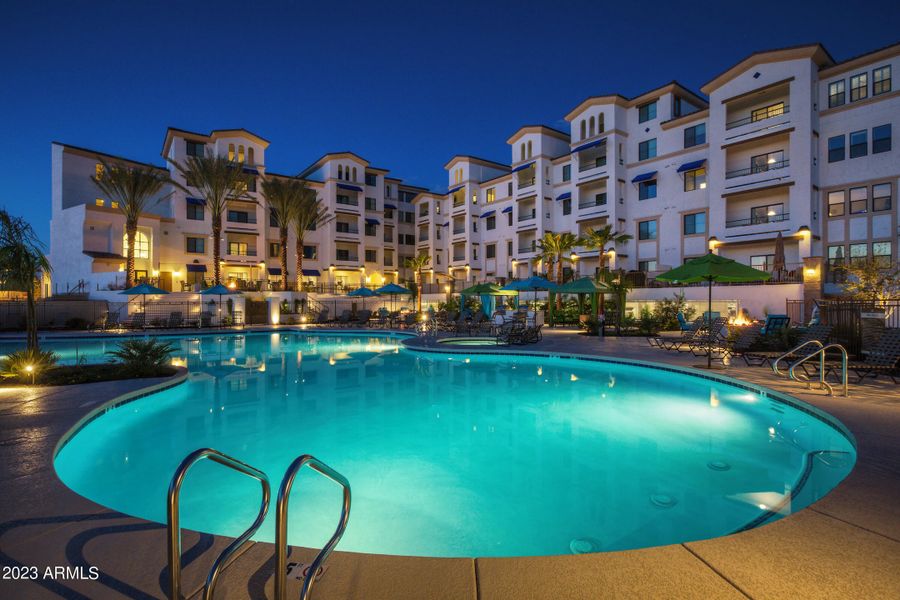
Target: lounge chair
(775,323)
(511,332)
(880,360)
(362,317)
(176,319)
(343,319)
(816,333)
(322,317)
(135,321)
(687,333)
(710,337)
(744,340)
(111,321)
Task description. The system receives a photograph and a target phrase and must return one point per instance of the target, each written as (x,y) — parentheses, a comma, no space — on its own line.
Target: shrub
(648,322)
(77,323)
(143,357)
(667,309)
(16,364)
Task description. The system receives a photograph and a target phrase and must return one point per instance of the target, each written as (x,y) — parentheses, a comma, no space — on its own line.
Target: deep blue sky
(405,85)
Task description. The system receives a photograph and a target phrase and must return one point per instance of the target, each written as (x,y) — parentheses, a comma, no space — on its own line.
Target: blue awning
(487,214)
(643,177)
(251,171)
(197,201)
(192,268)
(455,189)
(352,188)
(589,145)
(696,164)
(522,167)
(274,270)
(508,209)
(389,206)
(564,196)
(447,224)
(371,221)
(311,272)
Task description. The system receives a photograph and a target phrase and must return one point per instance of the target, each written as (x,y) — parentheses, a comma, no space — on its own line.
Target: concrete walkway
(845,546)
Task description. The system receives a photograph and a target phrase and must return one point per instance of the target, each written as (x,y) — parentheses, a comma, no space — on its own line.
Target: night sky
(405,85)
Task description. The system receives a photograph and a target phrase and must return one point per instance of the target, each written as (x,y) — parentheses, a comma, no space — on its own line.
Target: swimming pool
(458,454)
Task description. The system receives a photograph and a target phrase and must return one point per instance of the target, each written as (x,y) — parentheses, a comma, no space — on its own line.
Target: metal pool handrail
(281,513)
(790,352)
(821,354)
(174,528)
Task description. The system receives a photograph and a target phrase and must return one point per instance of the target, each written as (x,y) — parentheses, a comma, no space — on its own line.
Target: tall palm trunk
(298,276)
(283,232)
(31,320)
(419,288)
(131,235)
(217,249)
(559,280)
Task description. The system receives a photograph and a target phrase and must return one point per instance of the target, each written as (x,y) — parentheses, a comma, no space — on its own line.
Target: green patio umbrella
(710,268)
(218,290)
(144,290)
(584,285)
(393,290)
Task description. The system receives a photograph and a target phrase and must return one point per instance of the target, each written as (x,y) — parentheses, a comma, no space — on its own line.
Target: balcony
(758,168)
(459,257)
(347,230)
(528,216)
(760,114)
(234,250)
(423,236)
(344,257)
(347,201)
(459,230)
(758,220)
(589,163)
(592,203)
(525,182)
(389,238)
(527,249)
(242,218)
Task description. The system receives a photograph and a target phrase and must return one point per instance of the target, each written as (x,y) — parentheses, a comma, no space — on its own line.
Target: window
(881,80)
(114,204)
(509,189)
(490,195)
(567,173)
(647,230)
(647,189)
(646,266)
(764,162)
(509,251)
(836,205)
(195,148)
(695,180)
(490,251)
(647,112)
(274,249)
(509,218)
(238,248)
(194,212)
(389,213)
(371,204)
(567,206)
(836,96)
(771,213)
(881,139)
(250,158)
(251,184)
(491,223)
(881,197)
(475,250)
(767,112)
(345,199)
(529,148)
(591,127)
(141,245)
(231,152)
(836,148)
(342,254)
(694,136)
(371,179)
(241,153)
(647,149)
(237,216)
(859,253)
(859,87)
(371,256)
(600,199)
(835,256)
(98,171)
(583,129)
(273,218)
(859,200)
(354,174)
(310,252)
(881,254)
(762,262)
(371,230)
(195,245)
(99,202)
(859,142)
(694,223)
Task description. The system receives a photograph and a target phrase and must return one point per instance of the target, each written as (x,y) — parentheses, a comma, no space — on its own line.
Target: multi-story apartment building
(368,240)
(786,147)
(787,144)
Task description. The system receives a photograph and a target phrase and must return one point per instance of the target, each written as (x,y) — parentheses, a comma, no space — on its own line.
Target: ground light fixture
(30,370)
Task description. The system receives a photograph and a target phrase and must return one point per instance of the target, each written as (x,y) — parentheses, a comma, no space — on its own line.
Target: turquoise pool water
(457,455)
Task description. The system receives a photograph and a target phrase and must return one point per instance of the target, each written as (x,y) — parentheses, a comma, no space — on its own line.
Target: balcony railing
(528,216)
(770,112)
(458,203)
(525,182)
(782,164)
(458,230)
(388,238)
(527,249)
(348,230)
(459,257)
(347,257)
(758,220)
(251,220)
(348,201)
(240,252)
(423,237)
(591,204)
(587,165)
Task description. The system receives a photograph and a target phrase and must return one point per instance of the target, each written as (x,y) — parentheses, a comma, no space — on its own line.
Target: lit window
(836,204)
(490,195)
(99,202)
(98,171)
(881,80)
(836,94)
(859,87)
(859,200)
(695,180)
(114,204)
(141,245)
(231,152)
(241,153)
(767,112)
(881,197)
(881,254)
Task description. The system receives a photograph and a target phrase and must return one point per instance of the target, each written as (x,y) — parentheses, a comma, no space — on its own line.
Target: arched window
(141,245)
(250,158)
(241,153)
(583,129)
(354,174)
(529,148)
(231,152)
(591,127)
(340,171)
(600,127)
(522,152)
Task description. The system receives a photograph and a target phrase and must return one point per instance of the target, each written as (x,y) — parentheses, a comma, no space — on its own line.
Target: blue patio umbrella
(534,284)
(393,290)
(363,293)
(218,290)
(144,290)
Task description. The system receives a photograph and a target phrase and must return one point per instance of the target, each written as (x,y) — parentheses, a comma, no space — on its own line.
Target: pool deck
(845,546)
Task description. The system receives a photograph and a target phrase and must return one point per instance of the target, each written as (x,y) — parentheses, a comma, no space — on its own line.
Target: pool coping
(490,566)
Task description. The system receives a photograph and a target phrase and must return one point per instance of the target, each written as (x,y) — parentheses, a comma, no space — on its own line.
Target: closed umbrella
(144,290)
(710,268)
(778,258)
(218,290)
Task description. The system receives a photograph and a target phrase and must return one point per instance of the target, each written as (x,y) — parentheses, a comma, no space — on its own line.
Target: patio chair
(322,317)
(683,325)
(744,340)
(666,343)
(206,318)
(176,319)
(135,321)
(343,319)
(532,334)
(362,317)
(111,320)
(709,337)
(409,321)
(511,332)
(817,333)
(881,359)
(775,323)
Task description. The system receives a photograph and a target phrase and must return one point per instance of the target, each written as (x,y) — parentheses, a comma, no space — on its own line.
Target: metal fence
(850,325)
(77,314)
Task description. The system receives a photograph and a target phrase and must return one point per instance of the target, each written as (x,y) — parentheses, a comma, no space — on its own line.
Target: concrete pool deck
(846,545)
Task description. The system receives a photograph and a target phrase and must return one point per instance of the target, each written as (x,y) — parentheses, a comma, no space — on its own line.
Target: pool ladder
(820,351)
(173,526)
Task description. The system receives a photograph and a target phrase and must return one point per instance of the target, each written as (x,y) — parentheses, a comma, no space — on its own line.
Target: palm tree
(556,248)
(284,198)
(217,180)
(599,239)
(418,264)
(132,188)
(22,260)
(619,286)
(310,215)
